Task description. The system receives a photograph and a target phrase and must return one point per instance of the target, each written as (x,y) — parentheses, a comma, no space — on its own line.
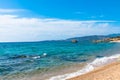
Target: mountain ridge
(93,37)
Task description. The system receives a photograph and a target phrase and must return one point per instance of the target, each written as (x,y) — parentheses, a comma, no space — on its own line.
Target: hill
(93,37)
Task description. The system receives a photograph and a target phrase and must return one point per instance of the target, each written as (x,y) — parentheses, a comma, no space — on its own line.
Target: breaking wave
(89,67)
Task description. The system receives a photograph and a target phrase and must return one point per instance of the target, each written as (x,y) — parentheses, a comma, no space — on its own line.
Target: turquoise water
(31,56)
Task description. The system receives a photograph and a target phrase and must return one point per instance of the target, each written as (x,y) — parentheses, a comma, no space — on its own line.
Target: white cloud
(14,28)
(10,10)
(95,17)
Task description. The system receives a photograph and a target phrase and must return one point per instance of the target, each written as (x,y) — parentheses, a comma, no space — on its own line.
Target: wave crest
(89,67)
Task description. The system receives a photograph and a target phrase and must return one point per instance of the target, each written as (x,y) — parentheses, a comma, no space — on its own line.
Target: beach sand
(107,72)
(116,41)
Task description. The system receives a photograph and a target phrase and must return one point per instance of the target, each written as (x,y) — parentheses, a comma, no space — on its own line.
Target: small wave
(36,57)
(27,56)
(42,56)
(89,67)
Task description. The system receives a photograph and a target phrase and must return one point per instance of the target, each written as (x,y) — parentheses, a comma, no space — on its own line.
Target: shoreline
(76,74)
(37,75)
(116,41)
(107,72)
(97,63)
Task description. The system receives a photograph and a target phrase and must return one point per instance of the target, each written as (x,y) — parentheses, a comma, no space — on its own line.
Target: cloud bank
(10,10)
(14,28)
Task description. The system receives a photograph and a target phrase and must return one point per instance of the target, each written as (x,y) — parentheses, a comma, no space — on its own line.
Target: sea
(53,60)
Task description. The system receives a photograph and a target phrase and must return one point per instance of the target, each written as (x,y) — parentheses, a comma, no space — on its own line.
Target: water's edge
(98,62)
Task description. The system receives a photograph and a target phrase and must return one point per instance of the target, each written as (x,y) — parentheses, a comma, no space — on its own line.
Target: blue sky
(36,20)
(68,9)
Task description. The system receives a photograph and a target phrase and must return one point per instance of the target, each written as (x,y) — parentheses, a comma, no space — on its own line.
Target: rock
(107,39)
(74,41)
(18,56)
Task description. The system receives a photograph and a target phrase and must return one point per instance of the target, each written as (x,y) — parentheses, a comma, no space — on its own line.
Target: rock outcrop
(74,41)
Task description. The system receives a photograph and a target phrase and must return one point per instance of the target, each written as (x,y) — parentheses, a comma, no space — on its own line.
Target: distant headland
(96,38)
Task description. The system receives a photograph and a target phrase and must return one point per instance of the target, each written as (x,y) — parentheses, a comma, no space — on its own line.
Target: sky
(38,20)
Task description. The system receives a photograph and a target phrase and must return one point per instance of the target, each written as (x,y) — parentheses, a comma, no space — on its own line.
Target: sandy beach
(108,72)
(116,41)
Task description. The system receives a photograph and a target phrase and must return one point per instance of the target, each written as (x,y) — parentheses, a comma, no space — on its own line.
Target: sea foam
(89,67)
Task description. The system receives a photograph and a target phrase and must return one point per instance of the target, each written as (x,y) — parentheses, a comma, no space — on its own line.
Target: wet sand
(107,72)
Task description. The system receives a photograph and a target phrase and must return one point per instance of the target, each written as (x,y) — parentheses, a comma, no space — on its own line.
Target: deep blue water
(30,56)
